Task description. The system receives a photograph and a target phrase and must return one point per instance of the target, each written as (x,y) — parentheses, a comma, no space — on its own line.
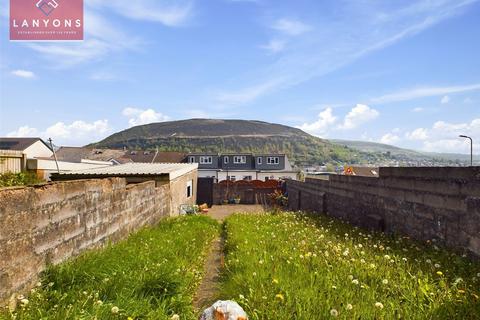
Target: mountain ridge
(236,135)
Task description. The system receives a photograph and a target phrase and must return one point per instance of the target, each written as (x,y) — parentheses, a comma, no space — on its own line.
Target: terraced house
(242,166)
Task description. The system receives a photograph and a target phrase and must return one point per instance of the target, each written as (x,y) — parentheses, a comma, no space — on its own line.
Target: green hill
(207,135)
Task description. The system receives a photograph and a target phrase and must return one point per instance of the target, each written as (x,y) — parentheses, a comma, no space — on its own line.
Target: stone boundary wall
(48,224)
(424,203)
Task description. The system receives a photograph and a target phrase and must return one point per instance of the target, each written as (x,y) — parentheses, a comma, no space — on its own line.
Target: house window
(259,160)
(232,178)
(239,159)
(206,160)
(225,160)
(248,178)
(191,159)
(273,160)
(189,188)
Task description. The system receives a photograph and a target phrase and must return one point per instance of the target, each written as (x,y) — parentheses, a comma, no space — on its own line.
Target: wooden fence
(12,161)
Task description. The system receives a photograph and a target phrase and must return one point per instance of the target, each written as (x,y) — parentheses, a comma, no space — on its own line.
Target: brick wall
(50,223)
(249,194)
(424,203)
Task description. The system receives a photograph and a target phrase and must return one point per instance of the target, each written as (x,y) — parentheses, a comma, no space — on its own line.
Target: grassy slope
(288,267)
(152,275)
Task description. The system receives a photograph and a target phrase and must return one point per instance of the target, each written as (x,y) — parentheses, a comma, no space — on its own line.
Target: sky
(405,73)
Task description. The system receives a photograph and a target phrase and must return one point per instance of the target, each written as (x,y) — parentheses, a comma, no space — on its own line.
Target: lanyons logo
(47,6)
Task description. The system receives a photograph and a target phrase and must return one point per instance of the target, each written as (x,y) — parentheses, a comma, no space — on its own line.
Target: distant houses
(33,154)
(243,166)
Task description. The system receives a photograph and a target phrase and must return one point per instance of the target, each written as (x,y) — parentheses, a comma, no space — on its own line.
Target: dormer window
(191,159)
(273,160)
(239,159)
(206,160)
(225,160)
(259,160)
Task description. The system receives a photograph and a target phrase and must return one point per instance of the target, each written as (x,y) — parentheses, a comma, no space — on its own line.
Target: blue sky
(399,72)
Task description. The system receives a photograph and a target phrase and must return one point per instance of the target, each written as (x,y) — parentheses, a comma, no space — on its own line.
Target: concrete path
(208,288)
(221,212)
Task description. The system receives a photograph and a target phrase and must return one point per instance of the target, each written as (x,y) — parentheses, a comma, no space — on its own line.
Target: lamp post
(471,147)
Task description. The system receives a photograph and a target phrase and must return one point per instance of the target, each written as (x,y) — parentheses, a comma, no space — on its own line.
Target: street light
(471,147)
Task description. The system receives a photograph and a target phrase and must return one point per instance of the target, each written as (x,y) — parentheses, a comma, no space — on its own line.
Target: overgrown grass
(291,266)
(151,275)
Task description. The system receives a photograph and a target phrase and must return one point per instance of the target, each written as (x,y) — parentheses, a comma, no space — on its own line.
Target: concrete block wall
(424,203)
(51,223)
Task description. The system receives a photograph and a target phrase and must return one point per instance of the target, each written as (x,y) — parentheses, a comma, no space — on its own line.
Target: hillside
(396,152)
(205,135)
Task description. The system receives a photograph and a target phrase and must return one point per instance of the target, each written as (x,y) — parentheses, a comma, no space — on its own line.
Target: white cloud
(331,44)
(76,133)
(139,117)
(247,94)
(24,131)
(445,100)
(416,93)
(169,13)
(417,134)
(274,46)
(23,74)
(101,39)
(322,125)
(103,76)
(359,115)
(389,138)
(444,136)
(291,27)
(418,109)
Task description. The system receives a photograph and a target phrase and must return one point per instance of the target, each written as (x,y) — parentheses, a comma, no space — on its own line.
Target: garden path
(208,288)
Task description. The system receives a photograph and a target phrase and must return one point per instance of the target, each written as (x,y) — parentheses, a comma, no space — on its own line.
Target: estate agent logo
(46,20)
(47,6)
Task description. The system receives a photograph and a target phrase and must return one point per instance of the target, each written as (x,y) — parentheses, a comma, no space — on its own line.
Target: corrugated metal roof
(174,170)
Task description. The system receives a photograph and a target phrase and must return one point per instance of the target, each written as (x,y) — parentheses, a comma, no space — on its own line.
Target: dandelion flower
(275,281)
(387,257)
(440,273)
(350,277)
(334,313)
(115,310)
(379,305)
(349,307)
(24,301)
(385,281)
(99,302)
(175,317)
(241,296)
(437,265)
(279,296)
(355,281)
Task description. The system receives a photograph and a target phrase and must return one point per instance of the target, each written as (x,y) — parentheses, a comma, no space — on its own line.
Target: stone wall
(178,191)
(424,203)
(50,223)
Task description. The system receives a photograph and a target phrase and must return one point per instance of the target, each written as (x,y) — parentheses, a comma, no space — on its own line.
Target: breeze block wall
(424,203)
(48,224)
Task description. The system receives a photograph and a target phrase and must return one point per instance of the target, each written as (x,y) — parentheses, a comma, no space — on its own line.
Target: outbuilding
(180,177)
